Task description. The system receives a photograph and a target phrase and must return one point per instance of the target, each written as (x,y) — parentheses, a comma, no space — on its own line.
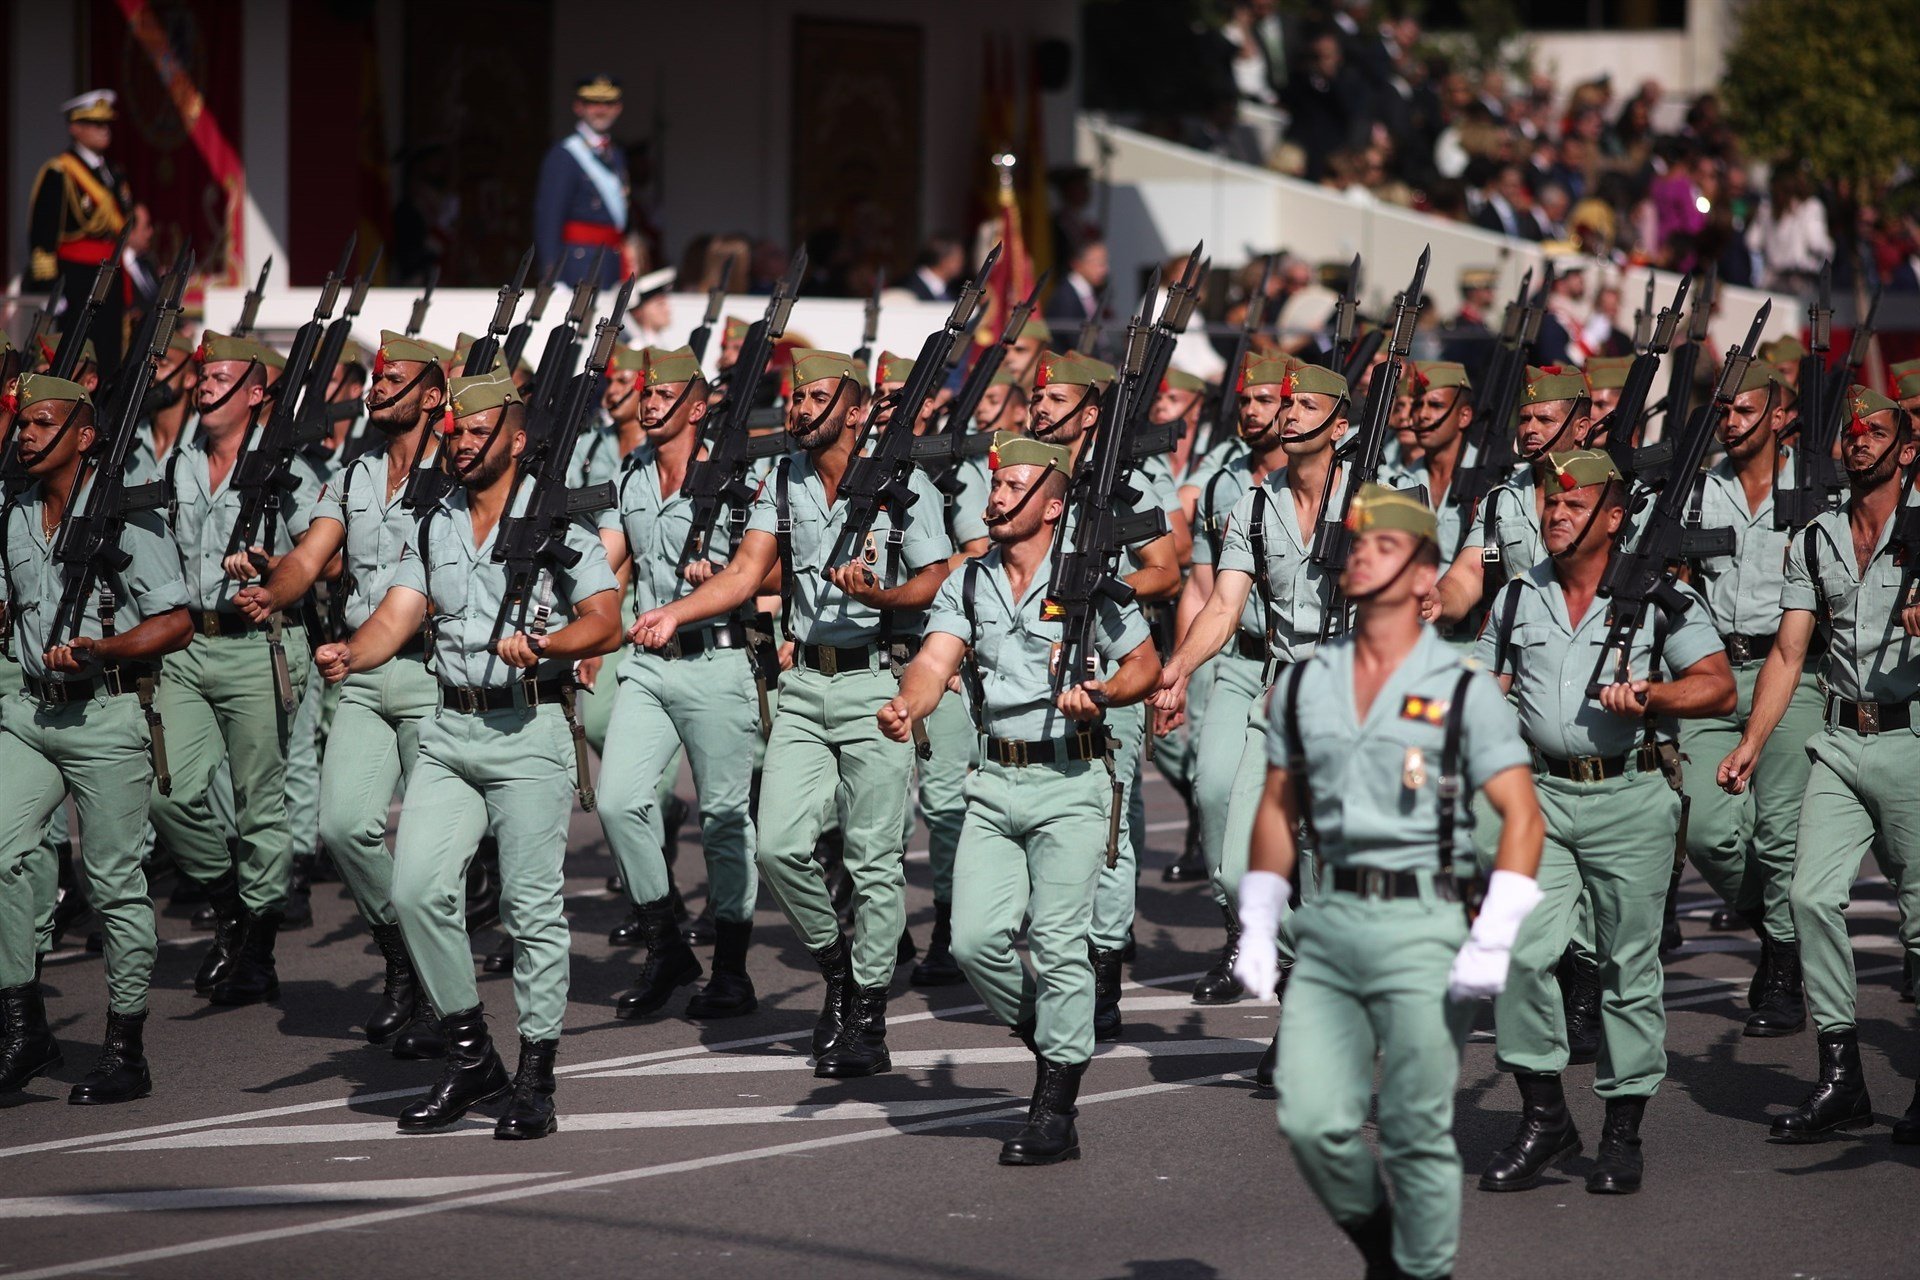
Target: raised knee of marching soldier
(423,894)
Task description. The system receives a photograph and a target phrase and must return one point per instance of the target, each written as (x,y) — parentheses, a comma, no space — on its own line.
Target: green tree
(1830,84)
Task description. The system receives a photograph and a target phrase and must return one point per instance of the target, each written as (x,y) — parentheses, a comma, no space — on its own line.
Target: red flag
(1012,276)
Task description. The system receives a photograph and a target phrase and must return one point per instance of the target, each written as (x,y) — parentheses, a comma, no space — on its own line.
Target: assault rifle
(940,454)
(1345,314)
(486,348)
(716,298)
(883,479)
(250,305)
(1650,466)
(870,326)
(1641,578)
(719,480)
(1086,557)
(1331,537)
(550,377)
(1487,456)
(535,540)
(417,318)
(73,336)
(316,415)
(1216,411)
(1686,360)
(517,339)
(1818,480)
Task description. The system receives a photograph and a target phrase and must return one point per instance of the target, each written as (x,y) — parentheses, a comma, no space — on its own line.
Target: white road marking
(91,1202)
(357,1221)
(927,1059)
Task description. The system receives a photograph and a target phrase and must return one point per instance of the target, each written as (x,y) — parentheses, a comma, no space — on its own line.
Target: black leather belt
(1596,768)
(1745,648)
(222,622)
(1368,882)
(691,644)
(1250,646)
(831,660)
(1089,743)
(502,697)
(1869,717)
(59,693)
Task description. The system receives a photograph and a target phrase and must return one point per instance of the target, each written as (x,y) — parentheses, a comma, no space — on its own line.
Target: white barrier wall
(1165,197)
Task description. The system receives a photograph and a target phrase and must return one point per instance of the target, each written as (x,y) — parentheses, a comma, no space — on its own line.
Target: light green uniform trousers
(510,771)
(1223,747)
(1862,788)
(825,737)
(1113,898)
(1248,783)
(303,769)
(1743,845)
(217,701)
(1371,980)
(95,751)
(371,750)
(1034,845)
(706,702)
(1614,839)
(943,782)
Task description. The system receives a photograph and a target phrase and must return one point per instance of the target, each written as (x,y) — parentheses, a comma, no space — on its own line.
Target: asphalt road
(268,1145)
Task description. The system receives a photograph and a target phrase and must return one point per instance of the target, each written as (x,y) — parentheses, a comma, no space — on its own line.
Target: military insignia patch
(1430,710)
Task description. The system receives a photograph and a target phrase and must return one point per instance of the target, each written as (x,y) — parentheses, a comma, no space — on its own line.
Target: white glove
(1480,970)
(1263,898)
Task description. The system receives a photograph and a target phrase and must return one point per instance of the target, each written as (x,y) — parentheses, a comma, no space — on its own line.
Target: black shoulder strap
(969,666)
(172,489)
(1503,628)
(783,536)
(1823,613)
(1214,526)
(1257,542)
(1450,788)
(426,575)
(1297,751)
(7,506)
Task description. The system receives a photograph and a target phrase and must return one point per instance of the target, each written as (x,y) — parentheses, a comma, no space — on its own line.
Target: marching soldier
(581,199)
(79,727)
(852,627)
(1442,412)
(498,754)
(1743,844)
(1039,807)
(1066,411)
(1605,770)
(376,727)
(223,697)
(1377,742)
(78,206)
(1849,576)
(697,692)
(1266,601)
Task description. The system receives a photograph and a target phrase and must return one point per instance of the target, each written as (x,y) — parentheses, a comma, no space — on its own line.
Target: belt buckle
(1737,648)
(1083,741)
(1867,715)
(470,699)
(1373,883)
(1490,555)
(1013,753)
(673,648)
(209,623)
(530,692)
(1587,768)
(829,663)
(54,693)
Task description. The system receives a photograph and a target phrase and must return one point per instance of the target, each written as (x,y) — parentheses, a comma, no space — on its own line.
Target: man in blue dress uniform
(580,204)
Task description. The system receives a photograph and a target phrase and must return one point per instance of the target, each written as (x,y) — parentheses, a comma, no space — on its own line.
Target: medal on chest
(1413,769)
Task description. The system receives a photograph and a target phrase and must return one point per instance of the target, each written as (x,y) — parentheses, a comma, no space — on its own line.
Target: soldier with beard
(376,728)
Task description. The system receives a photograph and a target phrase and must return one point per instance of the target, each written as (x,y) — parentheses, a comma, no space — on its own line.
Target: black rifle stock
(1641,578)
(316,415)
(941,453)
(1650,465)
(486,348)
(1345,314)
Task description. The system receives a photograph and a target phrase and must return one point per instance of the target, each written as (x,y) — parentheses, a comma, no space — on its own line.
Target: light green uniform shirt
(968,515)
(378,532)
(1512,508)
(1295,584)
(467,588)
(1872,658)
(821,613)
(1375,780)
(655,528)
(596,456)
(1742,590)
(150,586)
(1551,660)
(1015,648)
(204,517)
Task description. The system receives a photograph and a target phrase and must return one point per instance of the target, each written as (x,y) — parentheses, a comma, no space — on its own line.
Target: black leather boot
(1726,920)
(1906,1130)
(907,950)
(1218,985)
(861,1047)
(1546,1135)
(420,1040)
(401,996)
(729,992)
(474,1074)
(670,963)
(1617,1165)
(529,1112)
(253,977)
(1671,939)
(1106,994)
(1373,1237)
(700,931)
(298,913)
(630,932)
(483,886)
(1048,1137)
(27,1046)
(938,968)
(223,899)
(120,1073)
(837,968)
(1191,866)
(500,959)
(1757,921)
(1269,1061)
(1782,1007)
(1580,1000)
(1839,1101)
